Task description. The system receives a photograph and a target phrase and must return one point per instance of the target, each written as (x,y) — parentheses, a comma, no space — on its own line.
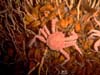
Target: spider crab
(95,33)
(56,40)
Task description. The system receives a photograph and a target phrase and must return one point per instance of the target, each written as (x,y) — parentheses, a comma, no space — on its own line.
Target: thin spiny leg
(73,43)
(78,49)
(43,32)
(65,54)
(97,21)
(96,45)
(46,29)
(53,26)
(68,44)
(94,31)
(31,42)
(41,38)
(70,38)
(34,39)
(93,35)
(31,1)
(53,23)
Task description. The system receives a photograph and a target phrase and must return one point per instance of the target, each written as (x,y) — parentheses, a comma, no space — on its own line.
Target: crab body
(57,41)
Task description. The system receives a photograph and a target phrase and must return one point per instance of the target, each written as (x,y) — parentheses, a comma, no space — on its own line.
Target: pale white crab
(57,40)
(94,34)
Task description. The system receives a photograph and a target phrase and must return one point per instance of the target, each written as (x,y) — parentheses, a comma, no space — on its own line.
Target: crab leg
(68,44)
(43,32)
(41,38)
(46,29)
(92,35)
(94,31)
(97,21)
(96,45)
(53,26)
(53,23)
(78,49)
(34,39)
(73,43)
(66,55)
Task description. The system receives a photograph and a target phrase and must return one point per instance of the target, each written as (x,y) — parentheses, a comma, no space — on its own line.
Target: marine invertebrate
(95,33)
(56,40)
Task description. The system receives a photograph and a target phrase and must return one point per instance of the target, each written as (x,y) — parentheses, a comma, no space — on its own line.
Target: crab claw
(73,36)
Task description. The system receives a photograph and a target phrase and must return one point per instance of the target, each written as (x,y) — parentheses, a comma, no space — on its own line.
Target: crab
(56,40)
(93,34)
